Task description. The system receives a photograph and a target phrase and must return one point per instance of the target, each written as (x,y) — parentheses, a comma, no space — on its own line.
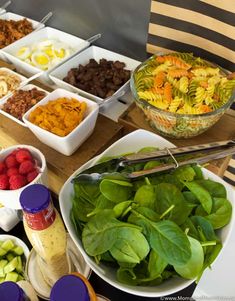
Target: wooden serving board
(60,166)
(133,118)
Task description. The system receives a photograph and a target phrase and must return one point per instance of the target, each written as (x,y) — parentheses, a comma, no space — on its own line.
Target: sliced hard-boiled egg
(40,60)
(23,53)
(45,54)
(45,43)
(49,51)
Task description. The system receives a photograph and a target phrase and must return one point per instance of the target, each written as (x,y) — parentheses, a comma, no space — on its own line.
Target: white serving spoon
(3,7)
(43,22)
(89,41)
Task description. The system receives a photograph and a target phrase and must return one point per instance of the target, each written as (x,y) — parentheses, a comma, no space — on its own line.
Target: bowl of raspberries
(20,166)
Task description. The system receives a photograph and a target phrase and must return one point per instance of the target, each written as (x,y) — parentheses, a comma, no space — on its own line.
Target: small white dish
(22,78)
(83,58)
(131,143)
(46,33)
(15,17)
(10,198)
(70,143)
(33,272)
(17,241)
(25,88)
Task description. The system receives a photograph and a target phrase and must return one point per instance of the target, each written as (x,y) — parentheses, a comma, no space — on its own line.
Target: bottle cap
(69,287)
(10,291)
(35,198)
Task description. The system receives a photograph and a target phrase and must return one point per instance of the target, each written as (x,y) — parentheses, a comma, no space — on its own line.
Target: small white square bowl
(25,88)
(83,58)
(22,78)
(69,144)
(11,16)
(46,33)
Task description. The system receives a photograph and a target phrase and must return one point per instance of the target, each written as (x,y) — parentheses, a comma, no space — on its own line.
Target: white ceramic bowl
(83,58)
(46,33)
(68,144)
(17,241)
(10,198)
(22,78)
(11,16)
(25,88)
(133,142)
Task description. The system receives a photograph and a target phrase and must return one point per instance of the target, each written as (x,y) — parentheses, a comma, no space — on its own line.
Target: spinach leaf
(148,149)
(156,265)
(130,246)
(88,192)
(100,233)
(151,164)
(198,172)
(116,191)
(107,257)
(127,276)
(146,196)
(121,209)
(184,173)
(214,188)
(167,178)
(168,195)
(193,266)
(101,203)
(166,238)
(191,228)
(190,197)
(201,194)
(145,212)
(221,213)
(81,208)
(205,226)
(209,259)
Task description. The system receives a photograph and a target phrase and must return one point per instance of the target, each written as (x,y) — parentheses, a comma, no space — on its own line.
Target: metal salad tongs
(197,154)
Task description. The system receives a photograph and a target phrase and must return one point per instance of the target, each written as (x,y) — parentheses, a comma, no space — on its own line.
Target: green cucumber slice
(12,276)
(19,267)
(8,245)
(18,250)
(11,265)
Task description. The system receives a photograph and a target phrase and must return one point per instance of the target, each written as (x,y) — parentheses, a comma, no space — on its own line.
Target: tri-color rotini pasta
(184,84)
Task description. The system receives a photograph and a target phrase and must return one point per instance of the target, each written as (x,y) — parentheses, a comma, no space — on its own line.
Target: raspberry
(23,154)
(4,182)
(26,167)
(17,181)
(32,175)
(3,168)
(10,161)
(12,171)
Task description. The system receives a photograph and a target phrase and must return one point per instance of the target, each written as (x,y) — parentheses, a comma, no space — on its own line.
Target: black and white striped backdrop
(203,27)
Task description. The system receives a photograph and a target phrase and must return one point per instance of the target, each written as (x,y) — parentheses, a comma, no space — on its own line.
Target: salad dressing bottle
(45,231)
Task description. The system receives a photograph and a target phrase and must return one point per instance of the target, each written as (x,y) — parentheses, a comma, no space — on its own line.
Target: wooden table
(60,167)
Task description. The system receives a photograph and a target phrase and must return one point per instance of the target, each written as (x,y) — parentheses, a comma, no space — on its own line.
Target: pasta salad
(183,83)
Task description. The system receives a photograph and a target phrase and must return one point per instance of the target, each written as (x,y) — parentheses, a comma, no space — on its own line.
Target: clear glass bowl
(177,125)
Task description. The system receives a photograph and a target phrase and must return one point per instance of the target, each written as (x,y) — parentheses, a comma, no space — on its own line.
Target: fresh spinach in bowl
(152,228)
